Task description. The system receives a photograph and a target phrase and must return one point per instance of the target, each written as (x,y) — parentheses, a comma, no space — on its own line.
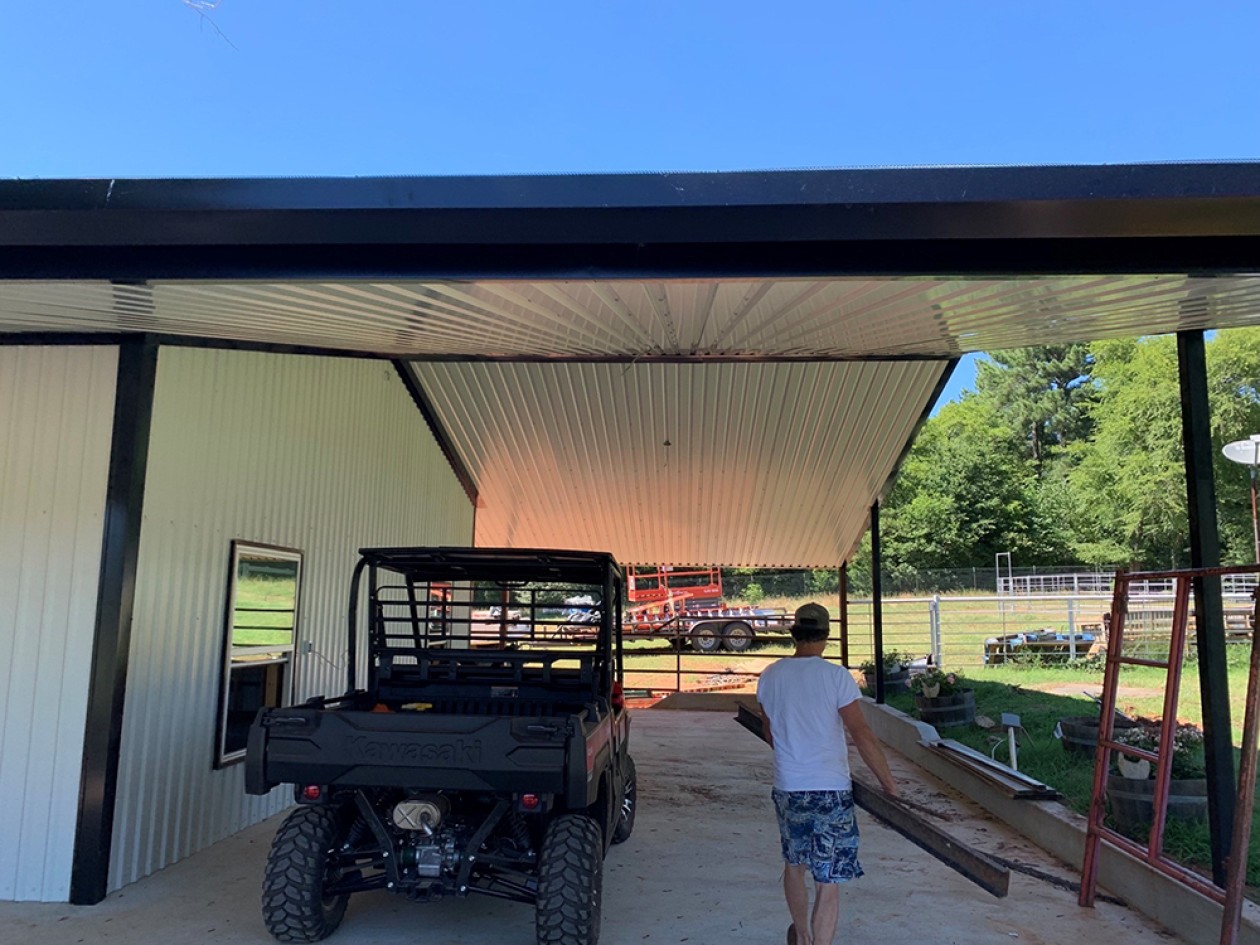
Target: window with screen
(260,636)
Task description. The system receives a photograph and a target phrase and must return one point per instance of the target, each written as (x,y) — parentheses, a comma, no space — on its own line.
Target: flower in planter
(936,682)
(1187,758)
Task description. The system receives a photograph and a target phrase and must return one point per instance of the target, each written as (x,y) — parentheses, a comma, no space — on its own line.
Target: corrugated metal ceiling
(806,318)
(773,462)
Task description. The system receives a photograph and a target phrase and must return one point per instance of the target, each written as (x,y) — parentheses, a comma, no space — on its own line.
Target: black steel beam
(107,686)
(81,338)
(440,434)
(877,604)
(924,414)
(1209,621)
(844,614)
(899,221)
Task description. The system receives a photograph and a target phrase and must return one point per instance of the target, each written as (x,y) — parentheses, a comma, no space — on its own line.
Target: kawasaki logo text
(457,752)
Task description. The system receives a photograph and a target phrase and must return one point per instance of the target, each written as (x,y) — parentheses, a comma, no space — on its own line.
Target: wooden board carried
(976,866)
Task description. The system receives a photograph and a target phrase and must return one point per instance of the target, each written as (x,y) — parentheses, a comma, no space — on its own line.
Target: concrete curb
(1061,832)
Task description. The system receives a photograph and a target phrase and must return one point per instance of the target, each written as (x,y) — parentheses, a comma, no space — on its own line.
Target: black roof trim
(814,187)
(888,221)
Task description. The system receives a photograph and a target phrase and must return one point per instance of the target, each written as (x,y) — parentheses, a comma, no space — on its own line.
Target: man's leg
(826,912)
(797,894)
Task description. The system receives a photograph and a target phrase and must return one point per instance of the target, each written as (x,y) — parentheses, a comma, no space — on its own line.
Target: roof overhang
(783,332)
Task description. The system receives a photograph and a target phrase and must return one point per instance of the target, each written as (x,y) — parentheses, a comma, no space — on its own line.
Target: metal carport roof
(718,368)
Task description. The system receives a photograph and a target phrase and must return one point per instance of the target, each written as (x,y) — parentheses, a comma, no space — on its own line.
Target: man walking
(807,704)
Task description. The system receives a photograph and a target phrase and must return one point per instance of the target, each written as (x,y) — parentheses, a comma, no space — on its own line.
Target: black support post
(418,396)
(844,614)
(107,685)
(1205,552)
(877,607)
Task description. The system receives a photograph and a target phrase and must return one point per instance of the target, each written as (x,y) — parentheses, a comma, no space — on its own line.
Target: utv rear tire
(294,906)
(570,882)
(630,801)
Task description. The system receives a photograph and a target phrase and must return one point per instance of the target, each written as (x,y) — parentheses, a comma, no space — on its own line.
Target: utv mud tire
(706,637)
(294,906)
(625,816)
(570,882)
(738,637)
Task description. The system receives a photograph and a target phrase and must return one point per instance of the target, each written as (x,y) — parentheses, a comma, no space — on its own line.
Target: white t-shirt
(803,696)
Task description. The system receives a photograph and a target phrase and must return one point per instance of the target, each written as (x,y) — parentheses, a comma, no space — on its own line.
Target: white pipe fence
(965,631)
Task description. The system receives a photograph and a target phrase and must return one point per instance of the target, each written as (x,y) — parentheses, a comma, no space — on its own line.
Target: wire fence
(951,631)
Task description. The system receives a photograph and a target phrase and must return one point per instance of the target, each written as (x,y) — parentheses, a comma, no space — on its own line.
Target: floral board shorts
(819,830)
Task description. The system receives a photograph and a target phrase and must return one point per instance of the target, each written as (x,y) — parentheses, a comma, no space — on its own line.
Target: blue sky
(144,88)
(963,379)
(147,88)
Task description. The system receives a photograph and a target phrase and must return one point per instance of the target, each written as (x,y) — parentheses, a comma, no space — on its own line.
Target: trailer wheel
(738,637)
(705,637)
(570,882)
(629,801)
(302,861)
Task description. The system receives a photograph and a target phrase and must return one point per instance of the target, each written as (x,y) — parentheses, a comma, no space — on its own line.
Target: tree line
(1071,455)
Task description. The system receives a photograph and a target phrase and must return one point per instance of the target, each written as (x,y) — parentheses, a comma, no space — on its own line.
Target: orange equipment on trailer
(686,604)
(661,584)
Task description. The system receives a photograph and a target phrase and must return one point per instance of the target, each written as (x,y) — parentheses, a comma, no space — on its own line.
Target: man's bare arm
(868,745)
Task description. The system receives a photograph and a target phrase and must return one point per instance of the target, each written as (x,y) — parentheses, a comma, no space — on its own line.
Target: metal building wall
(325,455)
(56,415)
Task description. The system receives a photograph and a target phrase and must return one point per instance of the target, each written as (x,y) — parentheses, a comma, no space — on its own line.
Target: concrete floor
(702,867)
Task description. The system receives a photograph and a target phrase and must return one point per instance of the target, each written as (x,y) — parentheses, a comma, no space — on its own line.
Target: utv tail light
(530,801)
(312,792)
(618,696)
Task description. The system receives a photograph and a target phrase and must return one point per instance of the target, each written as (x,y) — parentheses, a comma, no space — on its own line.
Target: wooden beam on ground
(978,867)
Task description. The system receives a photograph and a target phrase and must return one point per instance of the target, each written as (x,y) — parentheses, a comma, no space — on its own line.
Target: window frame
(285,653)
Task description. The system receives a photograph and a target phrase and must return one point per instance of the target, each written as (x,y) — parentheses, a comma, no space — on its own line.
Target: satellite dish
(1246,452)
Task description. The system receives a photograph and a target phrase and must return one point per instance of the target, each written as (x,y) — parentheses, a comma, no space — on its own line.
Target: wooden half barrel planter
(1132,801)
(1080,733)
(947,711)
(895,680)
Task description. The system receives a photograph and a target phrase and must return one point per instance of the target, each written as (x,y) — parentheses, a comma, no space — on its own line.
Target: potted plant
(896,672)
(1131,788)
(1079,733)
(944,699)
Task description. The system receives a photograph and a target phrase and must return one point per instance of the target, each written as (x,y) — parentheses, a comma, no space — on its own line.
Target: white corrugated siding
(321,454)
(756,465)
(56,416)
(823,318)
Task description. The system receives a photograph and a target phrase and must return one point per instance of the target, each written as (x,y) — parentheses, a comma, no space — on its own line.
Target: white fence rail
(1090,582)
(960,630)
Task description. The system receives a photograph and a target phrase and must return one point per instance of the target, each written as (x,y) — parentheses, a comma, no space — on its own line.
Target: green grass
(966,621)
(262,604)
(1041,756)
